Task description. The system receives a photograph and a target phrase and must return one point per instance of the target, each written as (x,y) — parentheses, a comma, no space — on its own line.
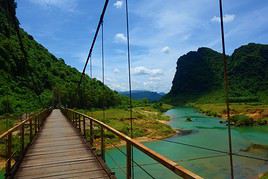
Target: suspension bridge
(59,143)
(63,143)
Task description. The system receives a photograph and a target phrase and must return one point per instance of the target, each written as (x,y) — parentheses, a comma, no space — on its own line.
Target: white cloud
(226,18)
(68,5)
(142,70)
(118,4)
(116,70)
(154,78)
(165,50)
(120,38)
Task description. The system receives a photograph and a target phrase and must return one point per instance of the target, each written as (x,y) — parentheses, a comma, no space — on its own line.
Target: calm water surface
(205,131)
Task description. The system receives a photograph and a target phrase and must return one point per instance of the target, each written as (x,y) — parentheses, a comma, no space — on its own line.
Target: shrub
(263,121)
(6,106)
(242,120)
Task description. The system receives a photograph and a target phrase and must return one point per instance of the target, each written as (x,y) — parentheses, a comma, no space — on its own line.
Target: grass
(265,176)
(147,121)
(257,111)
(2,174)
(6,124)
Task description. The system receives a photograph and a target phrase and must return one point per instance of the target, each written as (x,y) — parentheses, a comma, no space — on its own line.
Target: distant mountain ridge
(143,94)
(199,76)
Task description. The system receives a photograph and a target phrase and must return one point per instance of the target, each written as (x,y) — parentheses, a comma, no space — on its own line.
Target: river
(207,132)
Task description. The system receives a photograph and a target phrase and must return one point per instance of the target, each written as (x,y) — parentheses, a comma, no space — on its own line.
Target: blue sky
(160,32)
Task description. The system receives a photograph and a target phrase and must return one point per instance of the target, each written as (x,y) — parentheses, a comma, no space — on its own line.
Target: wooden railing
(79,121)
(16,140)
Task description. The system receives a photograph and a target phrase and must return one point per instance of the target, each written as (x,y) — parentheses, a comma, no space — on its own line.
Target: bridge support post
(79,122)
(22,138)
(102,144)
(31,131)
(129,159)
(9,154)
(40,122)
(84,127)
(91,133)
(73,118)
(76,120)
(35,125)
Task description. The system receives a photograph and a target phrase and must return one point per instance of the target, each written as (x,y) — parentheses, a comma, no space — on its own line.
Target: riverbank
(149,123)
(264,176)
(241,113)
(207,132)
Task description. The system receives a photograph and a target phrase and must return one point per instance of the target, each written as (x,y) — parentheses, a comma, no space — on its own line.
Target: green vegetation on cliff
(31,77)
(199,76)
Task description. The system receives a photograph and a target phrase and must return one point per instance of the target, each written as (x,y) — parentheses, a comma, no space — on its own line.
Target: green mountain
(142,94)
(199,76)
(31,77)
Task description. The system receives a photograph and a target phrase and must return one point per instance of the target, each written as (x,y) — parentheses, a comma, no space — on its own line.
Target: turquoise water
(207,132)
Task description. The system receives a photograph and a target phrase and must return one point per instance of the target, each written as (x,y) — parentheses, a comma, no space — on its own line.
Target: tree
(6,106)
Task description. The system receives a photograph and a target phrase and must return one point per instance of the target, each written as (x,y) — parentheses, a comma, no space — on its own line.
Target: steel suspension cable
(177,161)
(94,40)
(139,165)
(129,72)
(129,84)
(226,89)
(102,65)
(119,166)
(212,150)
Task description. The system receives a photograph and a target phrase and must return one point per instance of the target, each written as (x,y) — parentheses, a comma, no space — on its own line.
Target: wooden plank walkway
(59,152)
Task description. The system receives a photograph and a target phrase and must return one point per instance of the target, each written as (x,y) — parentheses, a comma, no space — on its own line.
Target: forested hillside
(31,77)
(199,76)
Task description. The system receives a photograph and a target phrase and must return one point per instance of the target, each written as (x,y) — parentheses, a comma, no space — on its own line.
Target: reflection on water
(207,132)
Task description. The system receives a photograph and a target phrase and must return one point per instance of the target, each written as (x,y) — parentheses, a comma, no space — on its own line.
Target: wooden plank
(57,144)
(54,170)
(53,148)
(64,174)
(59,152)
(36,160)
(86,161)
(82,149)
(56,139)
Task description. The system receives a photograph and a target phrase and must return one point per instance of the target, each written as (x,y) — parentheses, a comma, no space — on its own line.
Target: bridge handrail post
(22,138)
(31,130)
(76,120)
(72,119)
(40,121)
(102,144)
(79,122)
(91,141)
(35,125)
(9,153)
(75,116)
(84,127)
(129,159)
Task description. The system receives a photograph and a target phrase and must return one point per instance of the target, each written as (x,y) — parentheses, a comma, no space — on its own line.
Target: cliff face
(199,76)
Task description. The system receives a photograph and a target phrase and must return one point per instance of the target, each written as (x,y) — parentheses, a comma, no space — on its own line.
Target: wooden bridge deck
(59,152)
